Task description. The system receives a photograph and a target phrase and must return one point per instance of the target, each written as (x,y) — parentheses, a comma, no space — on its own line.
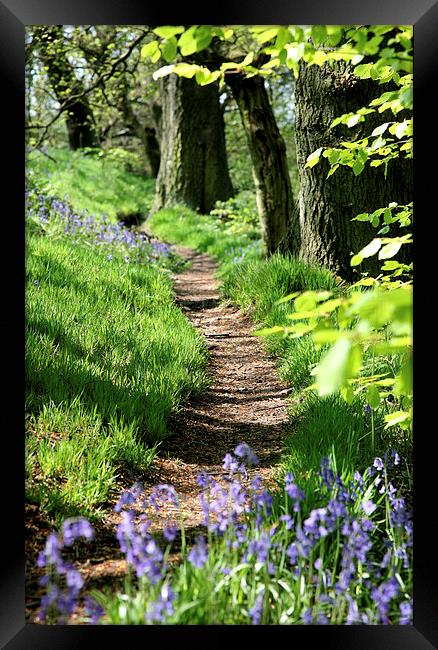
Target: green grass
(225,241)
(99,184)
(108,358)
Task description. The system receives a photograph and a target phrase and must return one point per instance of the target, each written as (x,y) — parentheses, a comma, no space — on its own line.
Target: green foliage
(241,210)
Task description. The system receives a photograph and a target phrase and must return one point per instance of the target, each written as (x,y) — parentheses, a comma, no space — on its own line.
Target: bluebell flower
(307,617)
(368,507)
(93,610)
(198,555)
(248,455)
(405,613)
(256,611)
(169,533)
(162,608)
(74,528)
(382,596)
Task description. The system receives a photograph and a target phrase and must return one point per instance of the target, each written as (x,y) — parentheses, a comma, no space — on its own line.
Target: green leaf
(305,302)
(363,71)
(356,260)
(319,34)
(268,331)
(332,170)
(149,49)
(406,97)
(389,250)
(167,31)
(380,129)
(313,158)
(188,41)
(353,120)
(283,37)
(163,72)
(267,35)
(390,265)
(333,156)
(156,56)
(347,393)
(371,248)
(401,129)
(395,418)
(358,167)
(203,37)
(373,396)
(342,361)
(247,60)
(364,216)
(319,57)
(169,49)
(404,379)
(323,335)
(287,298)
(187,70)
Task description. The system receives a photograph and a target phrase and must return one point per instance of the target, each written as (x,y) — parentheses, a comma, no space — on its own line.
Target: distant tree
(267,148)
(68,88)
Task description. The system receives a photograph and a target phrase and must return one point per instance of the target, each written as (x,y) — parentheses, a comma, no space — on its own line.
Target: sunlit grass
(99,184)
(108,358)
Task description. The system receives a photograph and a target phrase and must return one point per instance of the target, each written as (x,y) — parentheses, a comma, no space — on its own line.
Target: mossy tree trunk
(327,205)
(278,219)
(193,166)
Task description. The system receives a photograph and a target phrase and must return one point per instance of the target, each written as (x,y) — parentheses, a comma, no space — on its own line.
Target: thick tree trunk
(193,166)
(327,205)
(79,116)
(278,218)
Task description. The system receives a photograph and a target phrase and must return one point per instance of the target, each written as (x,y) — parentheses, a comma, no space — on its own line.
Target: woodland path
(246,402)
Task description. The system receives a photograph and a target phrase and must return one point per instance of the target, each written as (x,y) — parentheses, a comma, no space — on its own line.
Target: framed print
(219,145)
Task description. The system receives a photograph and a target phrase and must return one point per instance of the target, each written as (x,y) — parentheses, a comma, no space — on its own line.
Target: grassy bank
(101,182)
(108,356)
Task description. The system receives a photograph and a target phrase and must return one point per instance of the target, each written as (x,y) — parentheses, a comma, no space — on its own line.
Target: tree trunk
(193,166)
(79,116)
(278,220)
(327,205)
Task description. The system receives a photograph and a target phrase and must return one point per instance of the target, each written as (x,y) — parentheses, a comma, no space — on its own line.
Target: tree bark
(79,116)
(278,218)
(193,167)
(327,205)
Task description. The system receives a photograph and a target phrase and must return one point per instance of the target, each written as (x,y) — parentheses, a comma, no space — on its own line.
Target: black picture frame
(15,634)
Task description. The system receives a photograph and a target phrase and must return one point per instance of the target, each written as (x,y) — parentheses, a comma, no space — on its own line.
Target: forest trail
(246,402)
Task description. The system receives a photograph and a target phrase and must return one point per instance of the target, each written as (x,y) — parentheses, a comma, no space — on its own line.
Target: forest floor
(245,402)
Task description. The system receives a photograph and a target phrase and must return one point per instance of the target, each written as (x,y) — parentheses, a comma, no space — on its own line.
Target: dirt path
(245,403)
